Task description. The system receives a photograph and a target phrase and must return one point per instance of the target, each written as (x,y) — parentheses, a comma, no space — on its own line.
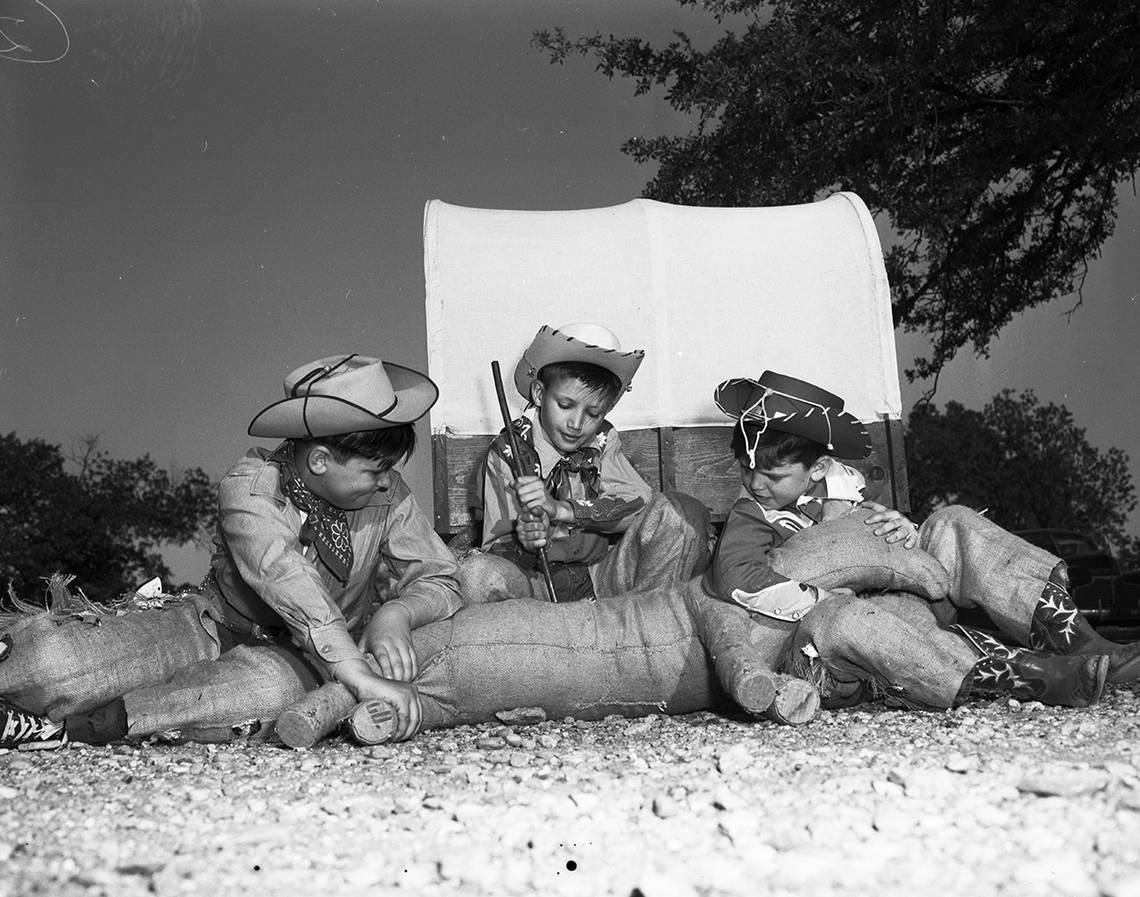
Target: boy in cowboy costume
(603,529)
(306,534)
(893,644)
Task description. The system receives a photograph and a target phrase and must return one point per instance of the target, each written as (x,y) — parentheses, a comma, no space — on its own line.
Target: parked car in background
(1101,591)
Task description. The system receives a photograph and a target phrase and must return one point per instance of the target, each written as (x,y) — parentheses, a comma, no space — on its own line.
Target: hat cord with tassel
(751,446)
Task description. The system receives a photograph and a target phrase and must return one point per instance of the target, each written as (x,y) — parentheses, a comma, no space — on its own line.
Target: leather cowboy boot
(1060,628)
(1072,681)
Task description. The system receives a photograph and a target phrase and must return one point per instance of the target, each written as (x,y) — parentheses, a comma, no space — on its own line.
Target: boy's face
(569,412)
(349,485)
(779,486)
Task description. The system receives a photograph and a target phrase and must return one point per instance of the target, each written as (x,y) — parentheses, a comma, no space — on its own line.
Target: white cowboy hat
(344,394)
(784,403)
(590,343)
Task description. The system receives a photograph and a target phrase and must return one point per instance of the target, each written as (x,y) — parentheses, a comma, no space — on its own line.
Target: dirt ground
(991,798)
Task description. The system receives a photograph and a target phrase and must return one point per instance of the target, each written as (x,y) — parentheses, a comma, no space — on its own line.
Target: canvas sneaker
(28,731)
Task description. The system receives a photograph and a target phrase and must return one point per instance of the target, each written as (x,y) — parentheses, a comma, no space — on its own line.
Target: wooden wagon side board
(695,460)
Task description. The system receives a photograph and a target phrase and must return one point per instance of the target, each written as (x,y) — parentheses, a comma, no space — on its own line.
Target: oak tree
(989,139)
(101,519)
(1028,463)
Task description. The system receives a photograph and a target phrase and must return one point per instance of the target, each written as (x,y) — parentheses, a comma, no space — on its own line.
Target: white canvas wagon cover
(709,293)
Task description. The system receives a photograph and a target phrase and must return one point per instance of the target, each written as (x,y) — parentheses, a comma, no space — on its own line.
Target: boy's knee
(948,517)
(676,513)
(41,656)
(484,578)
(837,622)
(687,508)
(820,649)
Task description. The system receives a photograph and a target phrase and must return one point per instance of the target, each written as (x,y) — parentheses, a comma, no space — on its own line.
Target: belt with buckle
(234,620)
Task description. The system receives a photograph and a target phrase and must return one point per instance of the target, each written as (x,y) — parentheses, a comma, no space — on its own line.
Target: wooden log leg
(315,715)
(745,674)
(322,710)
(741,673)
(795,703)
(372,722)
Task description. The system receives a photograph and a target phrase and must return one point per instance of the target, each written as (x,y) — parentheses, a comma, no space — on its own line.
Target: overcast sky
(191,205)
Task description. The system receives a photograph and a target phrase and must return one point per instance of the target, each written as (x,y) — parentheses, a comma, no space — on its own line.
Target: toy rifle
(516,469)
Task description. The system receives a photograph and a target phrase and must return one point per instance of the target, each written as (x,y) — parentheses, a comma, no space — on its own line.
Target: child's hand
(388,638)
(403,698)
(891,524)
(533,530)
(532,495)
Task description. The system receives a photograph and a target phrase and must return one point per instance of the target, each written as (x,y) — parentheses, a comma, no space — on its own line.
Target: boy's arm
(263,541)
(741,574)
(426,588)
(622,493)
(363,684)
(425,568)
(265,547)
(507,529)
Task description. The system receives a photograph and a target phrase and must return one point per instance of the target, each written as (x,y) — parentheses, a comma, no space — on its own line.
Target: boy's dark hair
(595,378)
(391,444)
(773,447)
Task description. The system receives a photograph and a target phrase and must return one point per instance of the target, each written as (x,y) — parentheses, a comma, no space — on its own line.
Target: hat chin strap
(750,447)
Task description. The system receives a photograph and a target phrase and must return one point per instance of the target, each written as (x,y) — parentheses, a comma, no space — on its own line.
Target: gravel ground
(991,798)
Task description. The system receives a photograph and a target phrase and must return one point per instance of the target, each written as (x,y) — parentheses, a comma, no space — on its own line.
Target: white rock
(892,821)
(961,763)
(735,759)
(672,882)
(1126,886)
(990,815)
(1062,872)
(1064,782)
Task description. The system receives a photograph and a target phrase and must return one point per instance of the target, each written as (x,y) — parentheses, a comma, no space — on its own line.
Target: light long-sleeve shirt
(266,573)
(587,539)
(741,571)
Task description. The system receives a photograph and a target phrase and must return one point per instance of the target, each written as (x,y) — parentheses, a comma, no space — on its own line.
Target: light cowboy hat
(784,403)
(344,394)
(590,343)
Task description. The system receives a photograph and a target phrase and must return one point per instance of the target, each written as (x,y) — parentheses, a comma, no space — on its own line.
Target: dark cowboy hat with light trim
(794,406)
(590,343)
(344,394)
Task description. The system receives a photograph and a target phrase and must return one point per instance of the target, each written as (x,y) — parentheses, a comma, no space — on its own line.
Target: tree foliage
(991,137)
(1028,463)
(105,521)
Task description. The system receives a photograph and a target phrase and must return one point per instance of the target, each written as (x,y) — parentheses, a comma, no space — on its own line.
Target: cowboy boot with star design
(1072,681)
(1059,627)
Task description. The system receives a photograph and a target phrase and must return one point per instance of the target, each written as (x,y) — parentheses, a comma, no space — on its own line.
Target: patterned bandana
(582,463)
(325,526)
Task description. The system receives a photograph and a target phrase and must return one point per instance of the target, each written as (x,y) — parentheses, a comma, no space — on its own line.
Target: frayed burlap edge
(64,602)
